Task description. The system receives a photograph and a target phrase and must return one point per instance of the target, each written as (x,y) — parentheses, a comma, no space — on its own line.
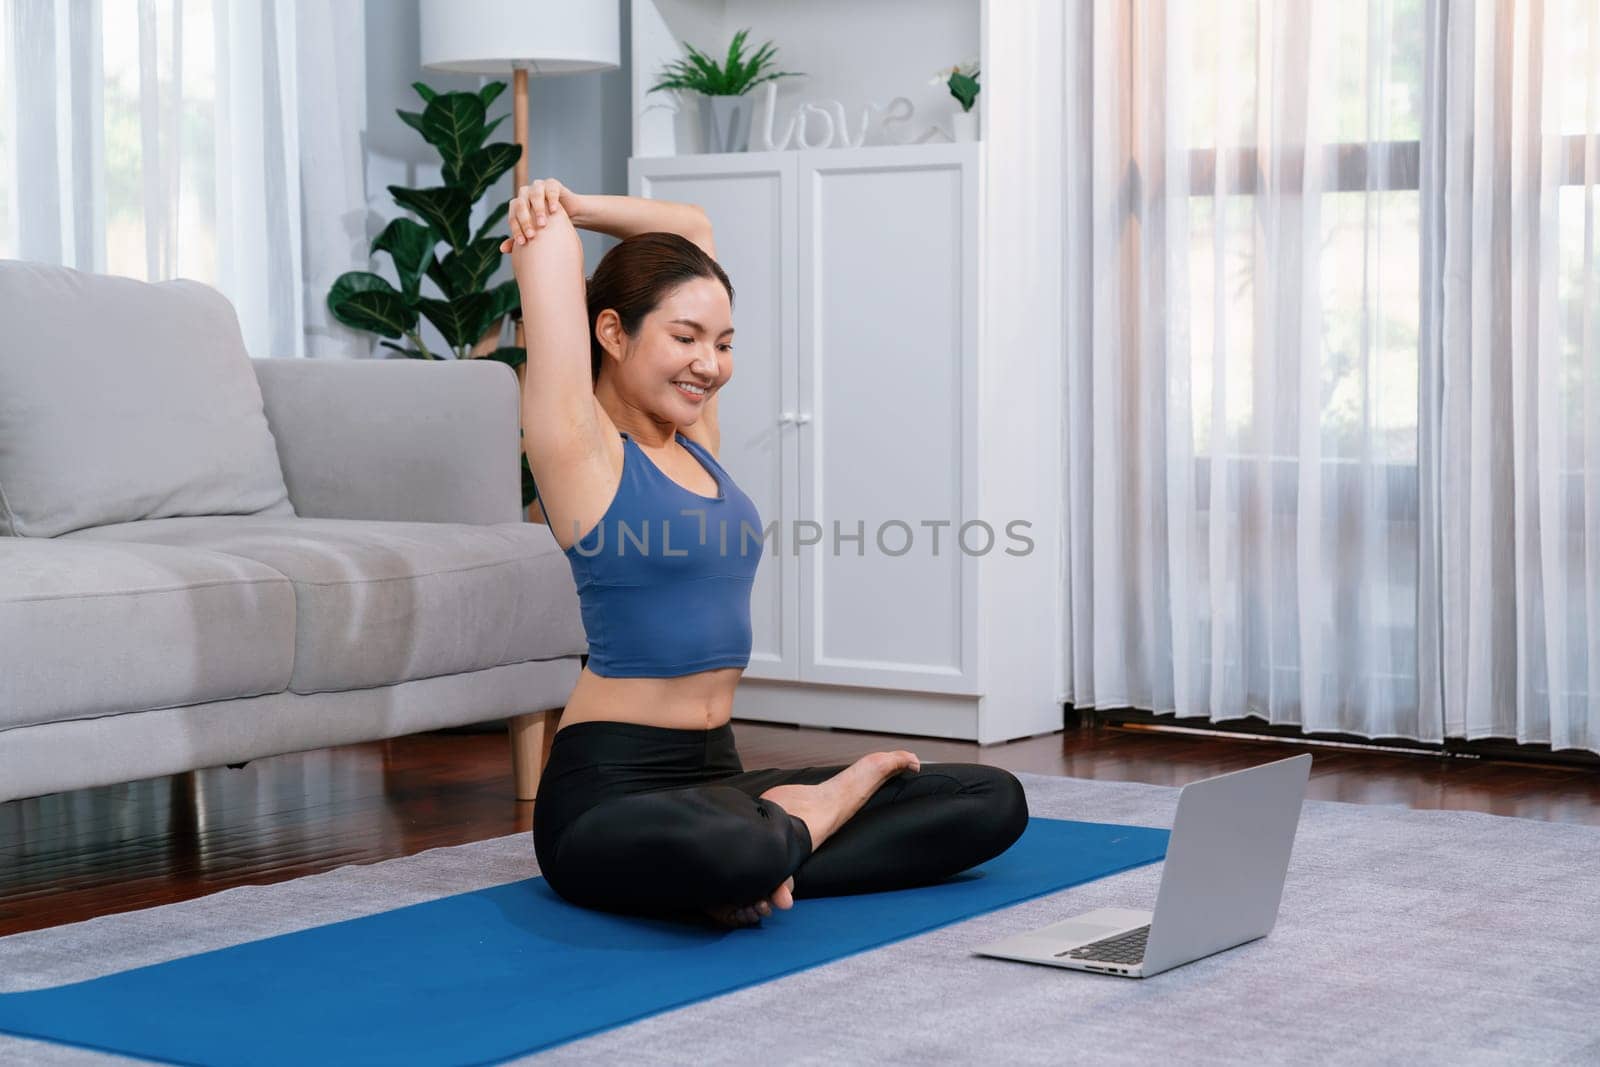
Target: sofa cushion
(384,602)
(90,629)
(122,400)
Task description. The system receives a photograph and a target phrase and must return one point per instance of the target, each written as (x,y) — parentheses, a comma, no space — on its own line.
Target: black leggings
(654,820)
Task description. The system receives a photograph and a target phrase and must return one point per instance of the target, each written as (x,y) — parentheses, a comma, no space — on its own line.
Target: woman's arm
(624,216)
(617,216)
(561,419)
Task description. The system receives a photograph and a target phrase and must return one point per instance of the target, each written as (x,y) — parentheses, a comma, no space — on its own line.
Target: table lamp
(518,37)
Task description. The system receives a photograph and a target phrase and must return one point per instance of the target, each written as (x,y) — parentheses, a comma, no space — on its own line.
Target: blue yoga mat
(486,976)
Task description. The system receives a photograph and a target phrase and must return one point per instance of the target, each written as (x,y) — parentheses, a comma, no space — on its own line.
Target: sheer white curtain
(1518,354)
(209,139)
(1332,395)
(1242,240)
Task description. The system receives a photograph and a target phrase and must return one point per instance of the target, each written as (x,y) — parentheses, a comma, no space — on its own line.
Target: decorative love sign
(879,124)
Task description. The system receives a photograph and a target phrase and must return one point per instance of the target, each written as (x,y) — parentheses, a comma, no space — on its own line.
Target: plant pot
(964,125)
(725,123)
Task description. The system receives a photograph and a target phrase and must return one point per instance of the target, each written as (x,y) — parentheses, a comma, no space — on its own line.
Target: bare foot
(823,808)
(750,914)
(829,805)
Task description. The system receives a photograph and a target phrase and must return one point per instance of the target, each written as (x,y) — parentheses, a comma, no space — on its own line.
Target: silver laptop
(1220,886)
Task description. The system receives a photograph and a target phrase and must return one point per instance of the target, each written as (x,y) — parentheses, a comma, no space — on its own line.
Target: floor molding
(1261,730)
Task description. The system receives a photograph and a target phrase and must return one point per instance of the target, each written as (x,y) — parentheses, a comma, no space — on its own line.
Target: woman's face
(682,353)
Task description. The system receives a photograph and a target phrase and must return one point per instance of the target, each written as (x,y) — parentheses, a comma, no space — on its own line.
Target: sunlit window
(8,154)
(1367,214)
(177,190)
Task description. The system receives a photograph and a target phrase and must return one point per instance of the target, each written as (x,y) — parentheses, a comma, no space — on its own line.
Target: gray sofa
(207,558)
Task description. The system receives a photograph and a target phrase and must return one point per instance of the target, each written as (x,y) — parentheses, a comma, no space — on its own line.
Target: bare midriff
(699,701)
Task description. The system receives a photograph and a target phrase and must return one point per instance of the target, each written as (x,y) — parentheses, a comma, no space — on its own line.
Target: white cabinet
(848,416)
(851,420)
(887,295)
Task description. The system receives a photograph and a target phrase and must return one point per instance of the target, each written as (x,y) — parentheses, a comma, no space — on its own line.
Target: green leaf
(714,78)
(425,91)
(468,270)
(506,297)
(494,216)
(964,89)
(366,301)
(482,167)
(454,124)
(490,319)
(489,93)
(410,245)
(443,207)
(736,75)
(412,119)
(446,285)
(457,320)
(409,353)
(698,72)
(510,355)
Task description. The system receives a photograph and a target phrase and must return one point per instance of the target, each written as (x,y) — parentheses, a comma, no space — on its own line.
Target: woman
(644,806)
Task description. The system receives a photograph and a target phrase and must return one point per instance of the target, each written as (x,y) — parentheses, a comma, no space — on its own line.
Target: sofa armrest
(397,439)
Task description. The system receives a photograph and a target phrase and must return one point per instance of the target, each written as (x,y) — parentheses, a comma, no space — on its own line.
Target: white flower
(969,68)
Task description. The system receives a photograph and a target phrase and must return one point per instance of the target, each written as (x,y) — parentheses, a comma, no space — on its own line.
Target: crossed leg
(691,848)
(916,829)
(722,844)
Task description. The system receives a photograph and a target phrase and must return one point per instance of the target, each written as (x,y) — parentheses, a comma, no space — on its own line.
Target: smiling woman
(645,805)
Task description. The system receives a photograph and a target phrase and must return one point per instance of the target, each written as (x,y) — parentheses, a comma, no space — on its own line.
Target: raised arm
(561,420)
(624,216)
(558,391)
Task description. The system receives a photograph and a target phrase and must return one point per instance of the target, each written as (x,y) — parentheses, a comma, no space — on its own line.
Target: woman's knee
(749,843)
(1002,807)
(682,848)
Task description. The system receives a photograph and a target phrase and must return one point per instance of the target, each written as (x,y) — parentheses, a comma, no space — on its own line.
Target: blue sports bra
(664,577)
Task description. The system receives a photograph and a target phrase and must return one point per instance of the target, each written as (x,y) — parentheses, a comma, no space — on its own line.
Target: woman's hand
(532,207)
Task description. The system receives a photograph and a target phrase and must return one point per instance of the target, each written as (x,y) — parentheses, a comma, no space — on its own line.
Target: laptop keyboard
(1124,948)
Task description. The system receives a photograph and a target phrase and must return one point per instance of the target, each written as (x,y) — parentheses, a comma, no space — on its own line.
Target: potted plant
(465,305)
(460,298)
(962,81)
(724,106)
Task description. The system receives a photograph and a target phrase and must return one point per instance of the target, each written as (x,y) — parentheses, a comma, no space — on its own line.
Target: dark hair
(634,276)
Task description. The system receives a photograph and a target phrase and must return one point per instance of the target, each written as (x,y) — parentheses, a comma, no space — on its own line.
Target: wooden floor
(72,856)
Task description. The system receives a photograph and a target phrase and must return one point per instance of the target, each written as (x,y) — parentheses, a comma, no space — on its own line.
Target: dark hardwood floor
(92,852)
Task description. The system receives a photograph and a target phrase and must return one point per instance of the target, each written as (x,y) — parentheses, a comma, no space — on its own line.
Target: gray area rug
(1404,937)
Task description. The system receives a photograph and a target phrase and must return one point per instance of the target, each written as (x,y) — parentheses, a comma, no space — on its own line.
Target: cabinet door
(751,202)
(888,377)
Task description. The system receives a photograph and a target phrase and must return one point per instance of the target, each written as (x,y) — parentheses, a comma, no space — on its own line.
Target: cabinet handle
(787,416)
(803,417)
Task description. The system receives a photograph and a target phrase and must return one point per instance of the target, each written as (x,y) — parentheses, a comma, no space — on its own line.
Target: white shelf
(889,154)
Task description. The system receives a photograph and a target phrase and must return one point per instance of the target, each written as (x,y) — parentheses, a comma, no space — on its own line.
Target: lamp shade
(542,36)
